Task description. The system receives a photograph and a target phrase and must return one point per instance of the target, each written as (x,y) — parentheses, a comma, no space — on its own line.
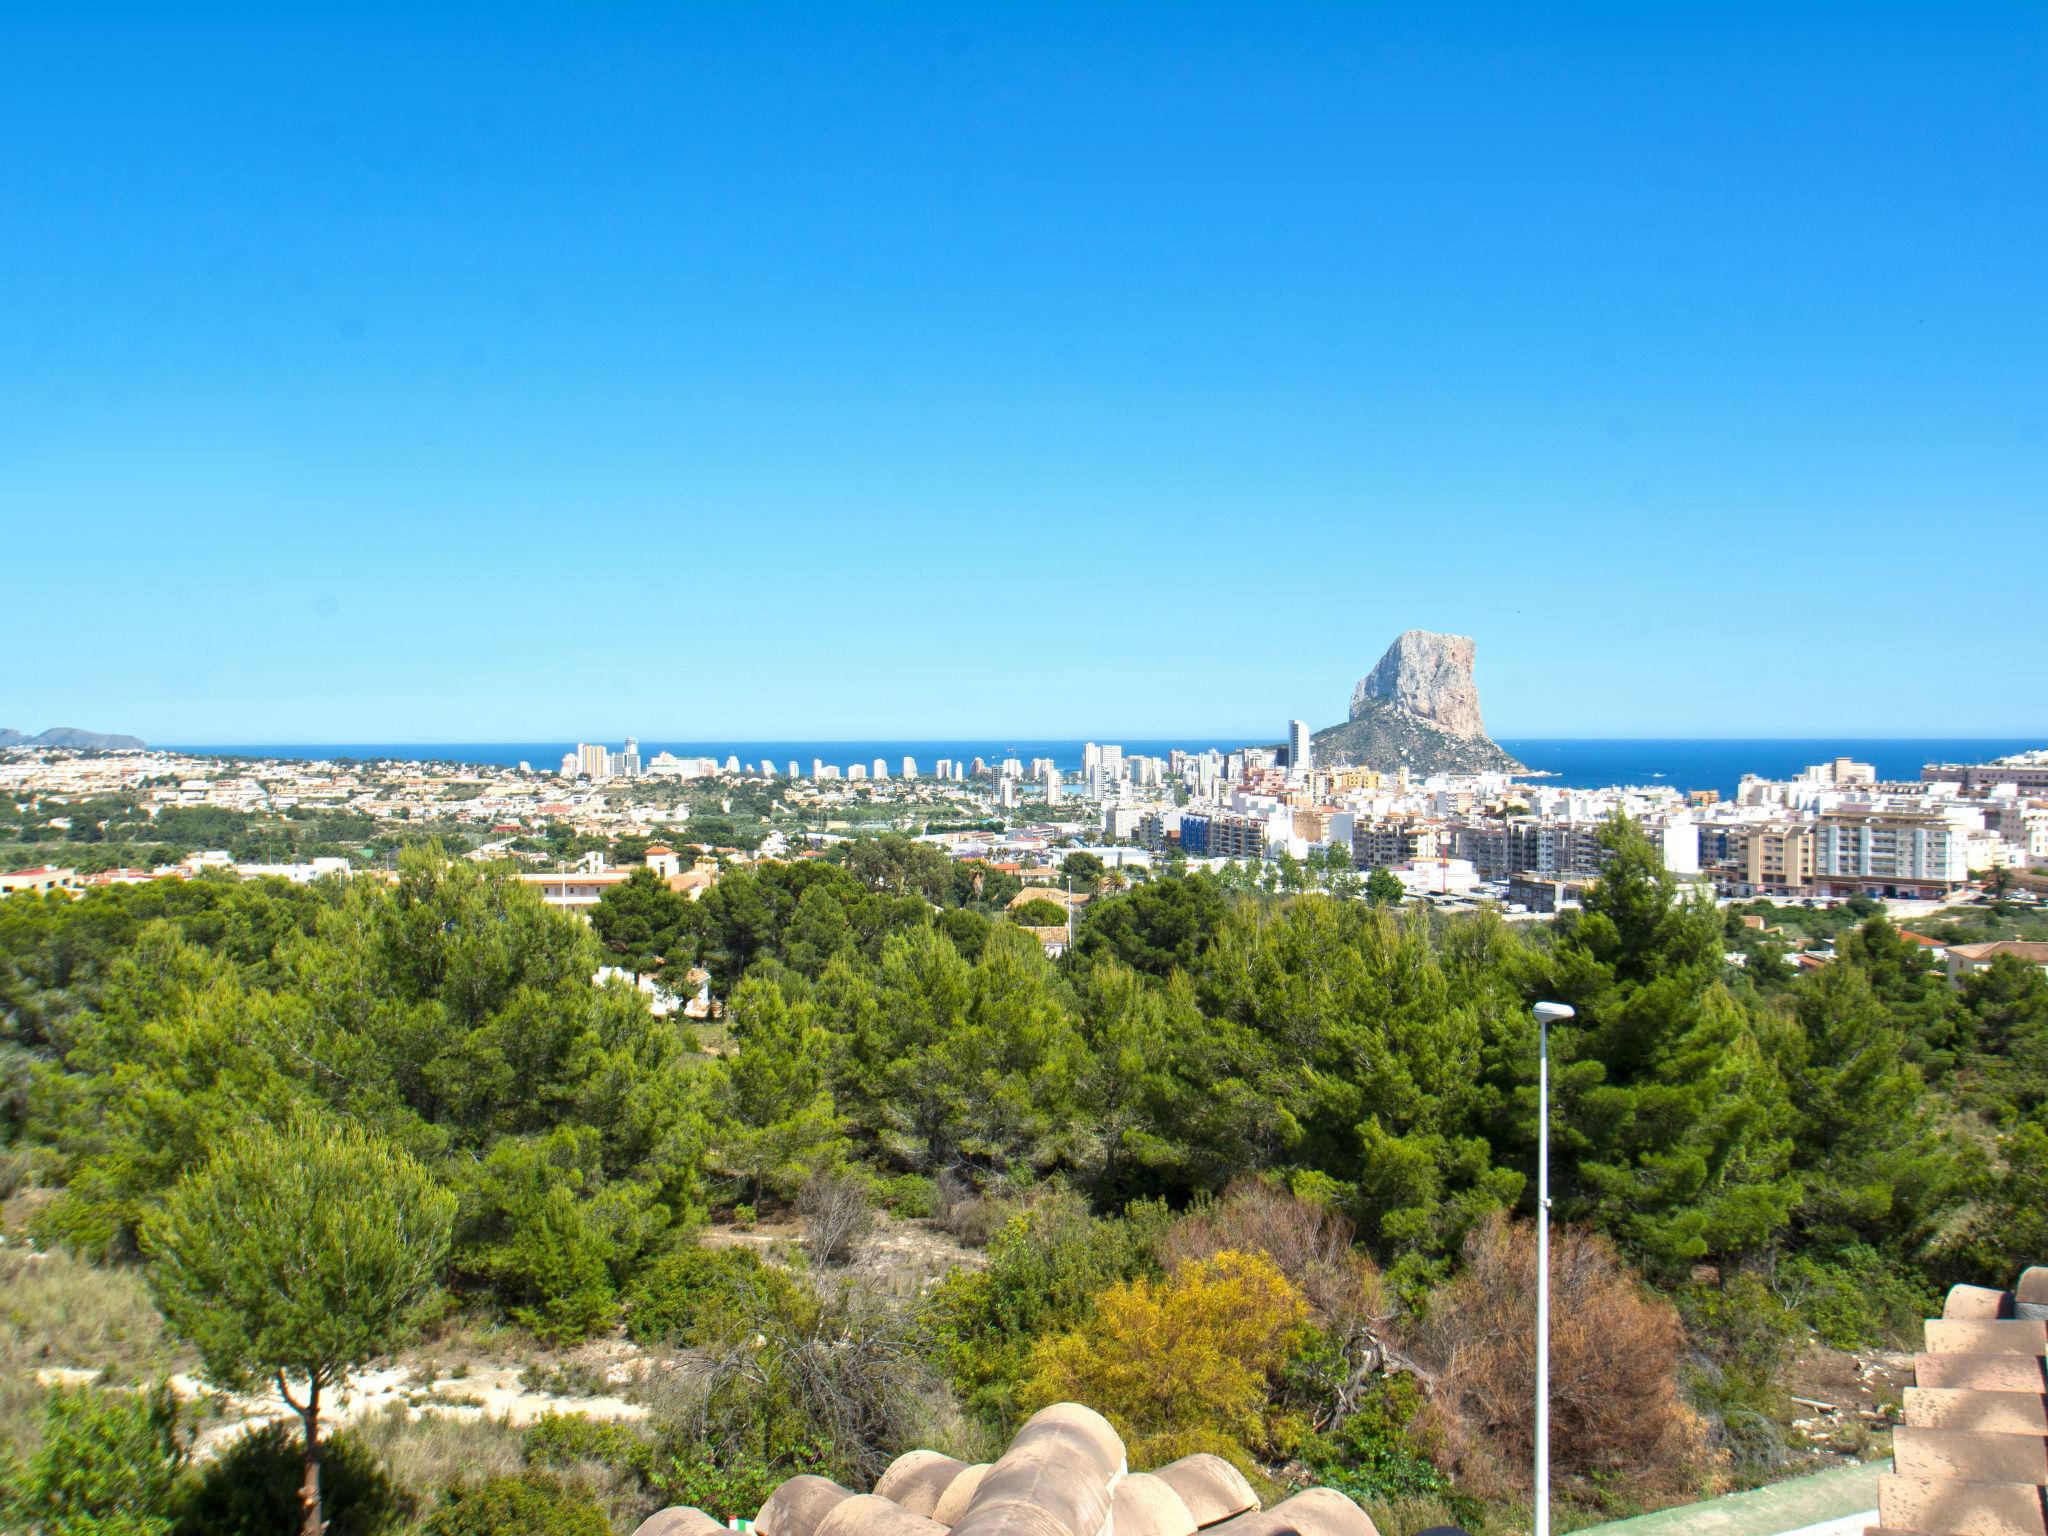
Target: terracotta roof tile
(916,1479)
(799,1506)
(1145,1505)
(959,1494)
(680,1520)
(867,1514)
(1065,1474)
(1211,1487)
(1312,1512)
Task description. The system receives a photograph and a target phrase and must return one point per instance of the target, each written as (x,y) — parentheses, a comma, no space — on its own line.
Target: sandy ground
(491,1391)
(903,1258)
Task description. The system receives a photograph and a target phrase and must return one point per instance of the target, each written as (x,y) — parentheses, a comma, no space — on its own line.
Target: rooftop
(1064,1475)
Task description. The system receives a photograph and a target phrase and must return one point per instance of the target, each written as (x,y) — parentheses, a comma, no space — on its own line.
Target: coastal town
(1832,833)
(1408,788)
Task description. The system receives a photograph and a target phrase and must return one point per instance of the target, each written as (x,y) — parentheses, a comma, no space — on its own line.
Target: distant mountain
(1418,709)
(72,738)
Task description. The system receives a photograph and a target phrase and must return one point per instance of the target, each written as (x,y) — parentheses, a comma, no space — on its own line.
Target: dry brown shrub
(1615,1406)
(838,1217)
(1308,1243)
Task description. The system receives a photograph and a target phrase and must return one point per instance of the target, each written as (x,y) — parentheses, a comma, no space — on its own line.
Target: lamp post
(1546,1015)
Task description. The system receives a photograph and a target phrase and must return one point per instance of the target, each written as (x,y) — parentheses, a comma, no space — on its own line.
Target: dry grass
(433,1450)
(58,1310)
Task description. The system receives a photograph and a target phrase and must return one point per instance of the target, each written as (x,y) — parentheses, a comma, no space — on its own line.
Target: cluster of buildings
(1828,833)
(1832,832)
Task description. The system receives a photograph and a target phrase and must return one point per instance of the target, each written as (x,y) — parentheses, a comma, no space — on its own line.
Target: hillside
(72,739)
(1383,735)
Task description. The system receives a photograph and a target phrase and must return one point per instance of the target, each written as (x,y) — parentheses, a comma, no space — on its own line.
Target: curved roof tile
(1211,1487)
(1144,1505)
(959,1493)
(1312,1512)
(917,1479)
(1976,1301)
(867,1514)
(678,1520)
(1053,1481)
(799,1506)
(1065,1474)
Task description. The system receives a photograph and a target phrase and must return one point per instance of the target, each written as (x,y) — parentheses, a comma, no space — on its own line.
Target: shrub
(837,1217)
(252,1488)
(2007,1225)
(1858,1299)
(107,1466)
(1614,1354)
(564,1439)
(1177,1361)
(530,1504)
(972,1214)
(911,1196)
(552,1267)
(1307,1240)
(696,1475)
(1376,1453)
(700,1296)
(1741,1337)
(1045,1268)
(835,1389)
(16,1170)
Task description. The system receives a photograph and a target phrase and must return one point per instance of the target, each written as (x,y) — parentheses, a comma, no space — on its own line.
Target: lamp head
(1554,1013)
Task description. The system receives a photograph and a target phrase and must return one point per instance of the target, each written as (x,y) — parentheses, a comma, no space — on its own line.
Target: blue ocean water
(1685,764)
(1720,764)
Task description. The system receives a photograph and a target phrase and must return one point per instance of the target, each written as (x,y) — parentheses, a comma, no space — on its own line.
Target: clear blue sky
(861,370)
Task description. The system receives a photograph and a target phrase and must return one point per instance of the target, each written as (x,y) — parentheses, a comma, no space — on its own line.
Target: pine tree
(1673,1113)
(773,1118)
(1873,1166)
(297,1255)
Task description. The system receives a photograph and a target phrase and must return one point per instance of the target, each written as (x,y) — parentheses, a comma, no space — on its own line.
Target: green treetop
(298,1254)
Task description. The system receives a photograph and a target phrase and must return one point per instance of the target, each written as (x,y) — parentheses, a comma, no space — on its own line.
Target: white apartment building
(1888,853)
(1298,750)
(1842,770)
(1120,823)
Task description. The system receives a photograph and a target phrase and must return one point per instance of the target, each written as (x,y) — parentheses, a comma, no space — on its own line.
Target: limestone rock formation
(1418,709)
(1430,676)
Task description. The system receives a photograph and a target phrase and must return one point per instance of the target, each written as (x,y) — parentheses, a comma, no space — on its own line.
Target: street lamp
(1546,1015)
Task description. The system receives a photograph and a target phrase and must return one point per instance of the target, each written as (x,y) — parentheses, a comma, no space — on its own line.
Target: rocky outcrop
(1419,710)
(1429,676)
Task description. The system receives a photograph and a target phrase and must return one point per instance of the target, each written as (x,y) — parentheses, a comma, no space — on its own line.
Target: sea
(1716,763)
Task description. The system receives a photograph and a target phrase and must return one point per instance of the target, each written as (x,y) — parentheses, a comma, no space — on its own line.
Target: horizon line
(1249,739)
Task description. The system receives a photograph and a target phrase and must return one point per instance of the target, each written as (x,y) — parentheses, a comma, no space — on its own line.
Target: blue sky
(511,372)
